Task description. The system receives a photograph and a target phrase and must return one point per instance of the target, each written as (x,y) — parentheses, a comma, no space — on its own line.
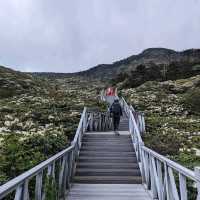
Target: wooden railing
(166,179)
(58,170)
(99,121)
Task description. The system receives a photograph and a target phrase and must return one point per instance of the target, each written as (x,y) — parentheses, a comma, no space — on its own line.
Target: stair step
(106,144)
(105,136)
(107,172)
(106,154)
(108,148)
(107,165)
(108,179)
(107,159)
(108,140)
(103,142)
(102,139)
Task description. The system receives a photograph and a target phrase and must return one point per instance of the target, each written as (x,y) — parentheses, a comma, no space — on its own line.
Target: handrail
(152,164)
(83,115)
(12,184)
(157,170)
(65,160)
(137,132)
(183,170)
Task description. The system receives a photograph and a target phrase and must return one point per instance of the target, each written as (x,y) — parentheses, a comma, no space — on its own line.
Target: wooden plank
(108,192)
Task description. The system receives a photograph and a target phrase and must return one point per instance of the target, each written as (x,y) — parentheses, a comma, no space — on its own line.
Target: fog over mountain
(69,36)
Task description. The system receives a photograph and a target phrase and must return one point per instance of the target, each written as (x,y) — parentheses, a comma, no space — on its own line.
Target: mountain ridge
(152,59)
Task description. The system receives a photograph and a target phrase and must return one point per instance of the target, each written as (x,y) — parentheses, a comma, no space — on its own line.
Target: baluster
(139,122)
(84,122)
(143,124)
(25,191)
(63,177)
(158,183)
(87,122)
(100,122)
(53,170)
(22,192)
(183,186)
(72,164)
(130,128)
(107,123)
(61,171)
(18,193)
(38,187)
(147,170)
(91,122)
(139,152)
(160,178)
(197,174)
(153,183)
(166,188)
(80,138)
(103,126)
(49,170)
(173,191)
(68,169)
(143,163)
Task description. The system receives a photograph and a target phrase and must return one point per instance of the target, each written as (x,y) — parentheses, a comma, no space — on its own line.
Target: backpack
(116,109)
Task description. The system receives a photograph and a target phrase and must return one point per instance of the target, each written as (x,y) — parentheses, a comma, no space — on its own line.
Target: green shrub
(192,101)
(17,155)
(5,93)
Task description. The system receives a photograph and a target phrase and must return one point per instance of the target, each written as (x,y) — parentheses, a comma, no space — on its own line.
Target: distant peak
(157,50)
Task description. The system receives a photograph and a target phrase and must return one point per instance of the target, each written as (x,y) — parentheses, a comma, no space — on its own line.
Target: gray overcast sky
(72,35)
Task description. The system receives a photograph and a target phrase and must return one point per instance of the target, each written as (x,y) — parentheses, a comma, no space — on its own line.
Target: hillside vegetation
(15,83)
(40,120)
(172,114)
(39,112)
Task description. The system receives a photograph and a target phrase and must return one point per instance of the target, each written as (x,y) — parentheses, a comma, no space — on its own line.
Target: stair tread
(105,157)
(108,179)
(106,163)
(106,170)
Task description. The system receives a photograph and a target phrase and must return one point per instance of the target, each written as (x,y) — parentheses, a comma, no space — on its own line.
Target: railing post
(84,122)
(182,186)
(91,122)
(140,144)
(197,174)
(143,124)
(152,178)
(143,164)
(38,187)
(19,193)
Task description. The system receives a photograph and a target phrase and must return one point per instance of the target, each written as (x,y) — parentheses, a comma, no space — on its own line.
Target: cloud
(68,36)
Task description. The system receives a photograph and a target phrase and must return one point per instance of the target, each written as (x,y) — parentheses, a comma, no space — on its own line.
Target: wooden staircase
(108,192)
(107,158)
(123,126)
(106,166)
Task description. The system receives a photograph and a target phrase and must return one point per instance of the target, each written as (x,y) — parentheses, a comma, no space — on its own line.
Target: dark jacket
(115,109)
